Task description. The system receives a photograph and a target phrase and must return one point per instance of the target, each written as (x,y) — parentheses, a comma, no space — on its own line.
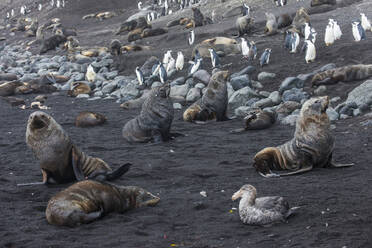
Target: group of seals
(345,74)
(213,104)
(86,201)
(311,146)
(154,121)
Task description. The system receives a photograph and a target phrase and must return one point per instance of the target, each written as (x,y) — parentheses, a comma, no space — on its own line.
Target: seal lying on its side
(311,146)
(154,121)
(89,119)
(60,160)
(86,201)
(257,119)
(213,104)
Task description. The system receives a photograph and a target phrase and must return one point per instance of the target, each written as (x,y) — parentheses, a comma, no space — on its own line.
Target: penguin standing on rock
(214,58)
(162,74)
(358,31)
(310,51)
(265,57)
(180,61)
(191,37)
(139,75)
(195,66)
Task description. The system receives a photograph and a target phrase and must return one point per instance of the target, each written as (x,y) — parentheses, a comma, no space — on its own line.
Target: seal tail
(118,172)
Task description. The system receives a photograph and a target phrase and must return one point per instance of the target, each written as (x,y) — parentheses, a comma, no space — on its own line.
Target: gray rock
(177,105)
(320,91)
(347,108)
(81,59)
(289,83)
(335,99)
(230,90)
(156,84)
(94,98)
(361,95)
(193,95)
(201,76)
(263,103)
(171,73)
(178,81)
(326,67)
(82,96)
(263,76)
(103,63)
(190,82)
(77,76)
(103,70)
(240,97)
(247,70)
(146,68)
(252,101)
(264,93)
(357,112)
(242,111)
(110,75)
(109,88)
(275,97)
(343,117)
(129,91)
(294,94)
(116,93)
(179,90)
(289,120)
(240,82)
(332,114)
(199,86)
(287,108)
(98,93)
(366,123)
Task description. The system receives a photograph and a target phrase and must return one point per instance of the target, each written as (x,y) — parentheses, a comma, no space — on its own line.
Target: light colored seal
(89,119)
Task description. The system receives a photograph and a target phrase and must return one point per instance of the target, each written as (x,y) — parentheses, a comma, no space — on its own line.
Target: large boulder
(240,97)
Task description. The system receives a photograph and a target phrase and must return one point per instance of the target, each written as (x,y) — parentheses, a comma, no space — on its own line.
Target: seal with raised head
(257,119)
(78,88)
(345,74)
(197,17)
(213,104)
(89,119)
(89,200)
(115,47)
(311,146)
(271,24)
(52,43)
(60,160)
(155,120)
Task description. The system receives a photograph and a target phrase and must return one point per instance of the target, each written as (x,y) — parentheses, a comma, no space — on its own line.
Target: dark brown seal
(311,146)
(132,25)
(9,88)
(86,201)
(213,104)
(345,74)
(115,47)
(78,88)
(52,43)
(148,32)
(60,160)
(257,119)
(89,119)
(154,121)
(284,20)
(135,34)
(321,2)
(197,17)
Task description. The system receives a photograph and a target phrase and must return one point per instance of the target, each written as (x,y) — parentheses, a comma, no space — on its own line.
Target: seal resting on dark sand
(78,88)
(244,24)
(197,17)
(311,146)
(345,74)
(115,47)
(52,43)
(148,32)
(60,160)
(213,104)
(141,22)
(8,88)
(263,210)
(86,201)
(89,119)
(154,121)
(284,20)
(271,24)
(257,119)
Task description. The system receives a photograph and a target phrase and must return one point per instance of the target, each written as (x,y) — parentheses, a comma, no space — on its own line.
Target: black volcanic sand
(335,203)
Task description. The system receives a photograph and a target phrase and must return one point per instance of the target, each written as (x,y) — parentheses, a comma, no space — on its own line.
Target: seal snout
(38,120)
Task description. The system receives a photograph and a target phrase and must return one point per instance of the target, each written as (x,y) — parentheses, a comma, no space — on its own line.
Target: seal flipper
(118,172)
(44,182)
(75,159)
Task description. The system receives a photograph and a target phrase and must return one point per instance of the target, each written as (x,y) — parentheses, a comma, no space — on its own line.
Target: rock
(366,123)
(264,93)
(103,63)
(129,91)
(230,90)
(116,93)
(200,86)
(289,83)
(240,82)
(347,108)
(275,97)
(156,84)
(332,114)
(201,76)
(252,101)
(361,95)
(146,68)
(111,75)
(294,94)
(177,105)
(263,76)
(320,91)
(94,98)
(247,70)
(193,95)
(179,90)
(171,73)
(240,97)
(287,108)
(242,111)
(289,120)
(343,117)
(81,59)
(108,88)
(98,93)
(357,112)
(325,68)
(82,96)
(335,99)
(178,81)
(256,84)
(263,103)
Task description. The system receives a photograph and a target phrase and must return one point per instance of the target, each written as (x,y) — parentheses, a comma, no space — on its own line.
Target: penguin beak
(236,195)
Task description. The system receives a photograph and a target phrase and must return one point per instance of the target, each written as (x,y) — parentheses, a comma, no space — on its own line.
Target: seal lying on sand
(52,43)
(154,121)
(89,119)
(311,146)
(60,160)
(257,119)
(344,74)
(213,104)
(86,201)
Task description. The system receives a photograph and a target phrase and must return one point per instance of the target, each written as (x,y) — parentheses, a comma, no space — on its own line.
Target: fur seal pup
(78,88)
(148,32)
(86,201)
(263,210)
(284,20)
(257,119)
(219,40)
(311,146)
(89,119)
(213,104)
(345,74)
(271,24)
(141,22)
(314,3)
(197,17)
(60,160)
(244,24)
(115,47)
(52,43)
(154,121)
(8,77)
(135,34)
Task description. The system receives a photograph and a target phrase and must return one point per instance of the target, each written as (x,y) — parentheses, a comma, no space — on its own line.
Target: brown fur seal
(78,88)
(32,28)
(284,20)
(135,34)
(226,49)
(115,47)
(52,43)
(134,48)
(89,119)
(311,146)
(154,121)
(344,74)
(257,119)
(197,17)
(60,160)
(8,88)
(153,32)
(141,22)
(271,24)
(300,19)
(72,43)
(321,2)
(219,40)
(213,104)
(244,24)
(86,201)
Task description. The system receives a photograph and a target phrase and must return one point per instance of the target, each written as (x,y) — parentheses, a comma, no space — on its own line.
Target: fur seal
(86,201)
(284,20)
(115,47)
(135,34)
(219,40)
(345,74)
(134,48)
(60,160)
(300,19)
(141,22)
(52,43)
(78,88)
(244,24)
(136,103)
(271,24)
(257,119)
(8,77)
(8,88)
(213,104)
(89,119)
(311,146)
(154,121)
(314,3)
(153,32)
(197,17)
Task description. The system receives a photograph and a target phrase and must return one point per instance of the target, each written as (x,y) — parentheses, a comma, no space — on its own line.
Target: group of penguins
(25,9)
